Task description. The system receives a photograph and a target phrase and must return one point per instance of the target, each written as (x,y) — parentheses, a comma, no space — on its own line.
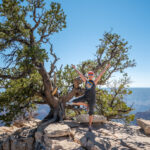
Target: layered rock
(71,135)
(113,136)
(145,125)
(57,130)
(84,118)
(19,136)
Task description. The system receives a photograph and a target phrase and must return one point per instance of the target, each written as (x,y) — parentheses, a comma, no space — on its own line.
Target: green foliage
(55,17)
(17,97)
(24,26)
(114,50)
(27,54)
(111,104)
(14,26)
(65,78)
(72,113)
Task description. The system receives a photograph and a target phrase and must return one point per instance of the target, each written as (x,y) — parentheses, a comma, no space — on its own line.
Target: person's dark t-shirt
(90,91)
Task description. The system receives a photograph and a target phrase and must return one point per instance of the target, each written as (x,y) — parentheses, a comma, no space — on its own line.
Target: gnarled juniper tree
(25,26)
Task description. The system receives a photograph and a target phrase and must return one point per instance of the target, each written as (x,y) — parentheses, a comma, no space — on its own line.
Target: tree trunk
(56,106)
(56,114)
(57,110)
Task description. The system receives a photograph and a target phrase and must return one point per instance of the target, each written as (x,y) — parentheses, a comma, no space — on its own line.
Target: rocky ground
(74,135)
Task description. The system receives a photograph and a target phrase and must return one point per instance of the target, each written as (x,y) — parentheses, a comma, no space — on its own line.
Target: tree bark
(57,111)
(55,114)
(56,103)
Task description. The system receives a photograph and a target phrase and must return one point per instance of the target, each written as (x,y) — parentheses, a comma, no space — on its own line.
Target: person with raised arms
(89,98)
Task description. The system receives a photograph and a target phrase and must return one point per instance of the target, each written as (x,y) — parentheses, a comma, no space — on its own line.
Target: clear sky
(88,19)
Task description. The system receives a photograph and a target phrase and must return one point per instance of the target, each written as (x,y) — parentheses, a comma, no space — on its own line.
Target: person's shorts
(90,103)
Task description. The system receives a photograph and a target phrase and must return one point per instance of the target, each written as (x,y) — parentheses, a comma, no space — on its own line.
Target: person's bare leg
(80,103)
(90,120)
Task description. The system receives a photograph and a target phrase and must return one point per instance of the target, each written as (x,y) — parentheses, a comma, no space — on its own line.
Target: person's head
(90,75)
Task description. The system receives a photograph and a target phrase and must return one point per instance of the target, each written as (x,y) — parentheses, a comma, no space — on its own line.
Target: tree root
(55,115)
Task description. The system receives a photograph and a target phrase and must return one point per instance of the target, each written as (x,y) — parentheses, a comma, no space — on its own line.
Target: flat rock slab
(66,145)
(145,125)
(61,144)
(84,118)
(57,130)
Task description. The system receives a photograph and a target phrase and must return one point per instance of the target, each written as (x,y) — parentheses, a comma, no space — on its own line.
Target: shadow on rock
(88,142)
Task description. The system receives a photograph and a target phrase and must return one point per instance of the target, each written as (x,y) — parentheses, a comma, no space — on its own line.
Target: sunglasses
(90,74)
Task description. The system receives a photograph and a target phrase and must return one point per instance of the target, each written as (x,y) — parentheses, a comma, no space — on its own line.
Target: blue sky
(87,20)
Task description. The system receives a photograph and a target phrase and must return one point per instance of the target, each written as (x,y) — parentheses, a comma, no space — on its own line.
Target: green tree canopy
(25,26)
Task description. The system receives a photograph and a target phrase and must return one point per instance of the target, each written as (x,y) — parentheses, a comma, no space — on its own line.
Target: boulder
(57,130)
(61,144)
(84,118)
(145,125)
(22,143)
